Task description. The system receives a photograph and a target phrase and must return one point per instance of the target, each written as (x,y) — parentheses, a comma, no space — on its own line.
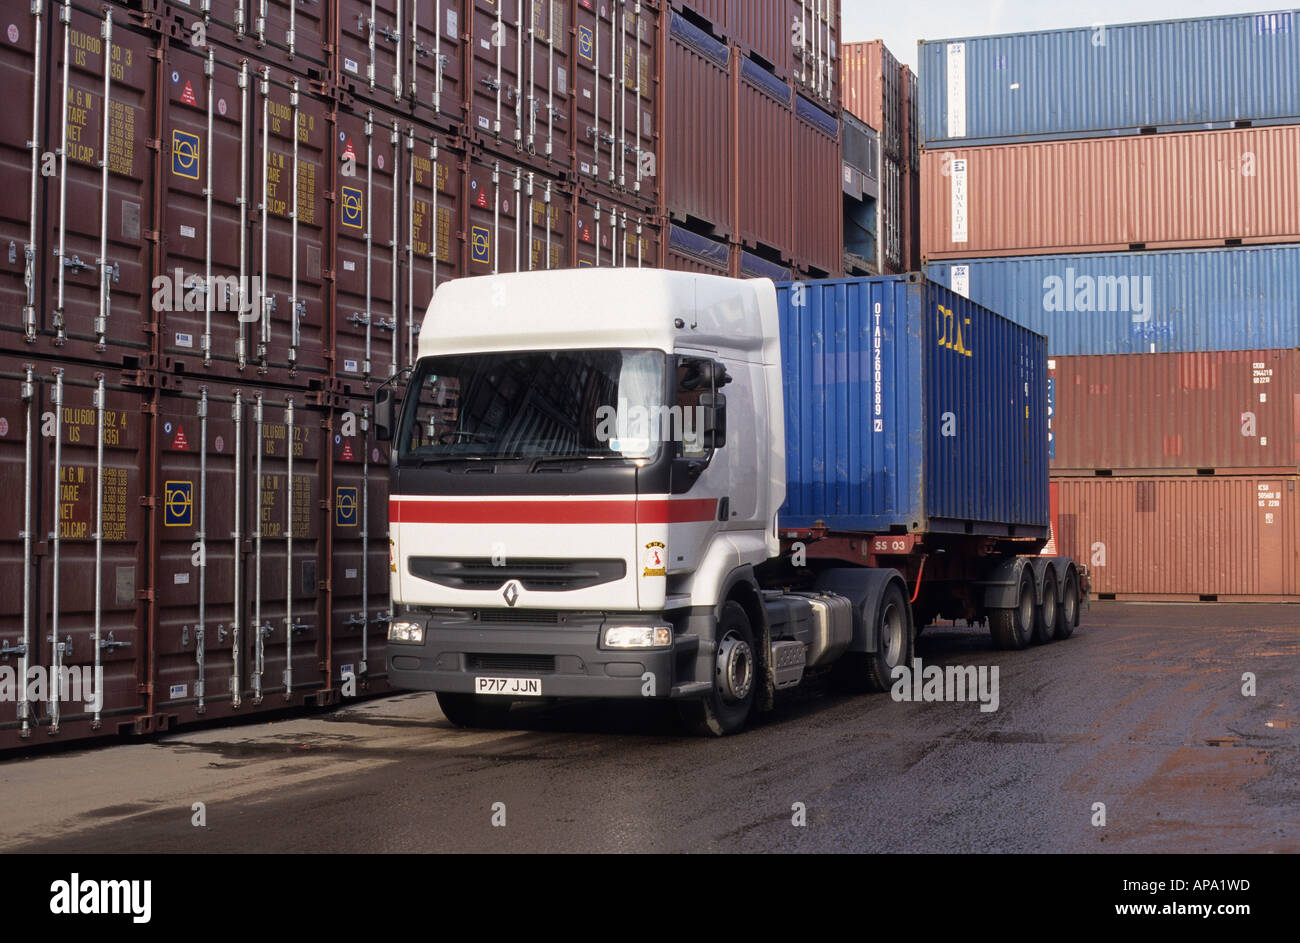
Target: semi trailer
(635,483)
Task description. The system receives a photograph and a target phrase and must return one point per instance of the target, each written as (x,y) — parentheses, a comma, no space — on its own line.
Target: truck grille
(537,574)
(517,616)
(540,664)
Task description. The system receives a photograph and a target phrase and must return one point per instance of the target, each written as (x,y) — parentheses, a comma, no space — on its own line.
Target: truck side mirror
(385,413)
(713,432)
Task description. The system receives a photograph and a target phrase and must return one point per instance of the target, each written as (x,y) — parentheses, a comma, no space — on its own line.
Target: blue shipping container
(1241,298)
(1091,81)
(910,409)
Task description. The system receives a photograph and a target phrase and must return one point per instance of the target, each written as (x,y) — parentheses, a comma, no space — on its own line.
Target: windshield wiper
(564,459)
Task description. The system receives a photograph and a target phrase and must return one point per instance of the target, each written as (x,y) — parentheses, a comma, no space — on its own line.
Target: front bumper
(565,655)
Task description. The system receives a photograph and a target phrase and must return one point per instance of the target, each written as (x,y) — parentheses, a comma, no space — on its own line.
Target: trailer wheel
(1047,613)
(725,709)
(873,671)
(470,710)
(1013,628)
(1068,619)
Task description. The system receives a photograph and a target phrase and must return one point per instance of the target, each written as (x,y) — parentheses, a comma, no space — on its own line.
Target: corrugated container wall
(906,407)
(1218,412)
(697,162)
(764,146)
(1142,302)
(1231,538)
(815,205)
(1089,81)
(1161,191)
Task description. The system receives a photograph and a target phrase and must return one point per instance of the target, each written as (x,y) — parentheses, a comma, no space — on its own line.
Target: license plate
(514,687)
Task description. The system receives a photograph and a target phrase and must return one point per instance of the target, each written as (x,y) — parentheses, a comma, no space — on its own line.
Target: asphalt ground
(1142,710)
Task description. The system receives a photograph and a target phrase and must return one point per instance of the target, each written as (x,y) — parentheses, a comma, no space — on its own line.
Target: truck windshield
(573,404)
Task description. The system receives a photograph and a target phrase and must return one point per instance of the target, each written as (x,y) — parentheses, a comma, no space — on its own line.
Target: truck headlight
(406,632)
(638,636)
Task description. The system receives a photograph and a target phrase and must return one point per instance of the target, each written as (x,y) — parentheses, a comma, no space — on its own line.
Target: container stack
(224,230)
(1130,191)
(882,228)
(750,150)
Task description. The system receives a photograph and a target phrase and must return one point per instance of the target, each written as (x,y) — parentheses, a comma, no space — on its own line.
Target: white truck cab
(585,462)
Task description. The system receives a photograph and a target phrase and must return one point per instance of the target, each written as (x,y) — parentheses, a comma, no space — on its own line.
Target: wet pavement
(1142,711)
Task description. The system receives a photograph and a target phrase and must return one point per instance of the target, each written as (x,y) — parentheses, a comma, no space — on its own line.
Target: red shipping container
(697,141)
(815,60)
(411,63)
(436,232)
(243,324)
(606,233)
(296,36)
(505,224)
(520,80)
(872,91)
(1160,191)
(816,199)
(1230,538)
(765,138)
(91,210)
(1229,411)
(613,123)
(765,30)
(52,586)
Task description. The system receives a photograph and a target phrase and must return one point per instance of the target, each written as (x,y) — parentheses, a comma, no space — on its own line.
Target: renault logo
(511,594)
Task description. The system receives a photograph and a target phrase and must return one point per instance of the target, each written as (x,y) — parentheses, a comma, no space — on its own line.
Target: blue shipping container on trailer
(911,409)
(1116,79)
(1242,298)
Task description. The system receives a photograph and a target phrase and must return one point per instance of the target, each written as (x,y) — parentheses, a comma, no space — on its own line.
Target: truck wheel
(1047,613)
(1013,628)
(872,671)
(1068,618)
(735,677)
(469,710)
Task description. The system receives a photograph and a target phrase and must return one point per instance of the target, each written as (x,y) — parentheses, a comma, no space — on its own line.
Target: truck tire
(471,710)
(1068,618)
(1013,628)
(1048,612)
(872,671)
(725,709)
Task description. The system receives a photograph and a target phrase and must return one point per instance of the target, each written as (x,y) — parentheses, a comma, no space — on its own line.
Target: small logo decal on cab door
(654,560)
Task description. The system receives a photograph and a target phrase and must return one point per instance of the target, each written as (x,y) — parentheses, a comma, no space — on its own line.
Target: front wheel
(725,709)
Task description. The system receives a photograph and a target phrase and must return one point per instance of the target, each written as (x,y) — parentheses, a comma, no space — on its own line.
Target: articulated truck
(630,483)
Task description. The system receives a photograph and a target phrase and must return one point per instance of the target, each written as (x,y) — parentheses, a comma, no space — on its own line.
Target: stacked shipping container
(751,140)
(882,93)
(1130,191)
(231,225)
